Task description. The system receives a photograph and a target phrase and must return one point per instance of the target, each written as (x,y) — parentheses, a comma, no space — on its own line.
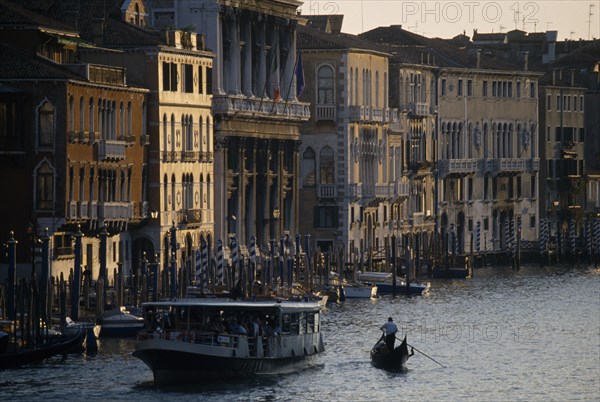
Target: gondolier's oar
(429,357)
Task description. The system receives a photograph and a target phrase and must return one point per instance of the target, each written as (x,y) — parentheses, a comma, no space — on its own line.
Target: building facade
(256,112)
(73,148)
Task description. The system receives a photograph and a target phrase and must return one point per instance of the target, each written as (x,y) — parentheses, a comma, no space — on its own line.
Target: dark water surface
(502,335)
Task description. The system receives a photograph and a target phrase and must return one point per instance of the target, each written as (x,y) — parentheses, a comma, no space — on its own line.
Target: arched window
(44,192)
(81,114)
(172,134)
(173,193)
(46,124)
(165,134)
(121,119)
(166,198)
(207,194)
(208,135)
(91,116)
(129,118)
(326,166)
(71,114)
(325,85)
(309,168)
(376,88)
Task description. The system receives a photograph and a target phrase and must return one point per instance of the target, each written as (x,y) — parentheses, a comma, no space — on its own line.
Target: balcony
(266,109)
(190,156)
(457,167)
(418,109)
(325,113)
(189,216)
(93,210)
(326,190)
(402,189)
(83,210)
(111,150)
(507,166)
(115,211)
(72,210)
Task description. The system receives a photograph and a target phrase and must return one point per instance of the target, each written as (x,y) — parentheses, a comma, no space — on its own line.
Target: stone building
(483,141)
(177,69)
(72,146)
(562,127)
(351,149)
(256,111)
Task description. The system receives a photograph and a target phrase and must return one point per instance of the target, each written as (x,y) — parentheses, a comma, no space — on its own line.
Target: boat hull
(390,361)
(192,364)
(401,288)
(18,358)
(360,292)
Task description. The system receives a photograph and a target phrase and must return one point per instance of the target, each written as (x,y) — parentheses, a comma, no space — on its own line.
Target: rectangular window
(549,130)
(469,87)
(166,73)
(518,89)
(486,223)
(484,88)
(443,86)
(532,90)
(470,224)
(565,103)
(549,102)
(532,192)
(510,89)
(188,78)
(209,81)
(326,217)
(494,88)
(518,186)
(532,221)
(581,103)
(174,77)
(558,103)
(470,188)
(200,79)
(575,103)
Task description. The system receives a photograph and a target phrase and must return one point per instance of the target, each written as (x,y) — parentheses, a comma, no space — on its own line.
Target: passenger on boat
(389,328)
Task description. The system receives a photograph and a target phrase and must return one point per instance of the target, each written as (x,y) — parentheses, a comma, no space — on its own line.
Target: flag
(299,75)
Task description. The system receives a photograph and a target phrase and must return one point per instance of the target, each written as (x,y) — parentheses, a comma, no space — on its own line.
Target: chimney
(525,61)
(478,58)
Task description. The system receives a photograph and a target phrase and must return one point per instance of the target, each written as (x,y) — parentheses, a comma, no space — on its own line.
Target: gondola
(14,358)
(391,361)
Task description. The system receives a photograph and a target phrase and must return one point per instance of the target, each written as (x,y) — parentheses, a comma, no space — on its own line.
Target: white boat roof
(283,305)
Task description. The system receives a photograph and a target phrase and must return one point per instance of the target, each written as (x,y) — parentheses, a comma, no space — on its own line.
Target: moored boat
(394,360)
(208,339)
(120,322)
(385,284)
(360,291)
(13,356)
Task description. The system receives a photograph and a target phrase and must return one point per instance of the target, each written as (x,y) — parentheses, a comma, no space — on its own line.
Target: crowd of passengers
(249,325)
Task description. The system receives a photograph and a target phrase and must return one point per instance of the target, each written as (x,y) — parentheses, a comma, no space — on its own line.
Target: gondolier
(389,328)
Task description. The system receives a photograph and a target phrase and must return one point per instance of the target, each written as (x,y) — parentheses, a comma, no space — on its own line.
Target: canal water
(528,335)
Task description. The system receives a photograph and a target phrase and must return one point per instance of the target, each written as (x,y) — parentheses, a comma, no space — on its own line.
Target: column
(259,63)
(289,54)
(234,54)
(247,61)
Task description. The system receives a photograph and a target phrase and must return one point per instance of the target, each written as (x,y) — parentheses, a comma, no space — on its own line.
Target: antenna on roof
(589,21)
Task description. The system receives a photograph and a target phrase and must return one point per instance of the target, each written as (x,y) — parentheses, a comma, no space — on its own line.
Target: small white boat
(359,291)
(385,284)
(120,322)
